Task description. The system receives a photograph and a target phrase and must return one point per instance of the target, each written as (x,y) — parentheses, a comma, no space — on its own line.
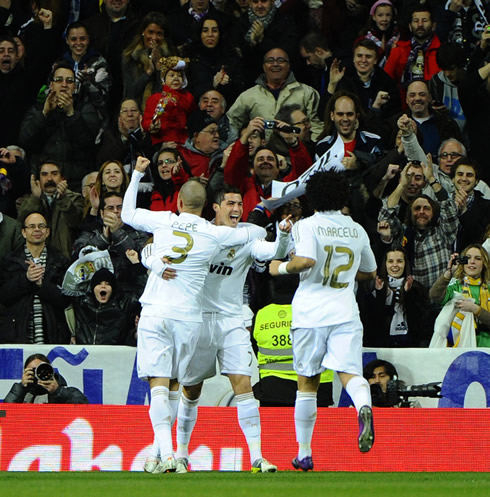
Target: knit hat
(103,274)
(378,3)
(197,121)
(173,63)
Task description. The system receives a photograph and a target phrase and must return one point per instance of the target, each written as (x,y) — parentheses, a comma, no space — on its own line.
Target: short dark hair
(76,25)
(369,368)
(285,111)
(49,161)
(450,55)
(10,39)
(327,191)
(466,161)
(421,7)
(313,40)
(219,194)
(61,64)
(367,44)
(109,195)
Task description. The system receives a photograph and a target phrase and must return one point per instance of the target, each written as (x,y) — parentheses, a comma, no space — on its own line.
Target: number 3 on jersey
(182,250)
(331,275)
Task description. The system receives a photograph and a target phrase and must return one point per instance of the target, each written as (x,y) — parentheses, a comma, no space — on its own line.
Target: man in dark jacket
(43,385)
(31,303)
(103,316)
(63,129)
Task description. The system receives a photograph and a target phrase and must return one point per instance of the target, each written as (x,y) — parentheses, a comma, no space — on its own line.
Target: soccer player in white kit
(332,251)
(171,314)
(223,334)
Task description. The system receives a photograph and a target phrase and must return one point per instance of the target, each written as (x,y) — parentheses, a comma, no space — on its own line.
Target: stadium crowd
(244,93)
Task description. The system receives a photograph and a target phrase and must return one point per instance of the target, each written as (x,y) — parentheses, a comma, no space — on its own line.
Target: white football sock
(304,421)
(249,421)
(186,420)
(160,416)
(359,391)
(173,398)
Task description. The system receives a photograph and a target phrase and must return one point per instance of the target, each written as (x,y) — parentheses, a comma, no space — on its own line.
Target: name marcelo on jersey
(343,232)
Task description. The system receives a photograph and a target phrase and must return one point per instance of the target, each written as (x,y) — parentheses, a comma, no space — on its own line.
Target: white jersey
(228,271)
(190,242)
(340,247)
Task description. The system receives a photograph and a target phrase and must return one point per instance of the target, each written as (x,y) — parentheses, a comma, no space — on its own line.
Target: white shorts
(337,347)
(226,339)
(165,346)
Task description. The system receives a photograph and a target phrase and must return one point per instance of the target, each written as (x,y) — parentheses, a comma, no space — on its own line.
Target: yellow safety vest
(272,334)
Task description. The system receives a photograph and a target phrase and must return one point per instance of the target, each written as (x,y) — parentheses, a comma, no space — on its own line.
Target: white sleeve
(265,251)
(368,261)
(152,262)
(303,241)
(228,237)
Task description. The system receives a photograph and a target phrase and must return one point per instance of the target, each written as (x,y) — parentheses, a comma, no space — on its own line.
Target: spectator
(469,278)
(166,112)
(214,65)
(141,65)
(214,103)
(43,385)
(14,178)
(265,167)
(315,51)
(415,59)
(63,129)
(382,29)
(397,306)
(104,316)
(435,127)
(263,29)
(275,88)
(110,31)
(113,235)
(169,175)
(473,209)
(30,289)
(430,232)
(93,80)
(62,208)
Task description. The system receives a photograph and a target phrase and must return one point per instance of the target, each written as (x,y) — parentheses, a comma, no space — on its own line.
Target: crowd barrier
(117,438)
(107,374)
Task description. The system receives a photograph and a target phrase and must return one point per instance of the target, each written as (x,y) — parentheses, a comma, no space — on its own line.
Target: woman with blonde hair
(467,274)
(141,58)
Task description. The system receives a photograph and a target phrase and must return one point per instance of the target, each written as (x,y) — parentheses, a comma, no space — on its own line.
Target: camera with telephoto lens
(397,394)
(43,371)
(462,259)
(284,129)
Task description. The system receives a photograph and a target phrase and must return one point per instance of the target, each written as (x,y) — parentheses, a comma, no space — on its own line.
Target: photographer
(40,385)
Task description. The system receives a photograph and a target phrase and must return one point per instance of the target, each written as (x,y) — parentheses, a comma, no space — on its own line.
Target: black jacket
(105,324)
(17,294)
(64,395)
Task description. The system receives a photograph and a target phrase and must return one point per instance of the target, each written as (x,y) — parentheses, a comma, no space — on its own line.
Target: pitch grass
(216,484)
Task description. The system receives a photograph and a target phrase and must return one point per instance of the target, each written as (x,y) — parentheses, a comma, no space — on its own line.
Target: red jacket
(395,65)
(169,203)
(238,167)
(174,119)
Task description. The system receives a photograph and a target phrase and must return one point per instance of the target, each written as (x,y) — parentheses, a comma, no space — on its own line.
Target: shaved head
(192,195)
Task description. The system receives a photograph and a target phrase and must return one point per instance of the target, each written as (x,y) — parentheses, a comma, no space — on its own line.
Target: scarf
(390,41)
(398,325)
(35,332)
(414,68)
(454,334)
(266,21)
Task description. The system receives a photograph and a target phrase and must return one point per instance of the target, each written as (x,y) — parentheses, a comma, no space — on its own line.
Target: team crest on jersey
(231,254)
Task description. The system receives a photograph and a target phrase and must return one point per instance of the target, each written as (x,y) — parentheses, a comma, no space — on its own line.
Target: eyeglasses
(60,79)
(40,226)
(274,60)
(112,208)
(453,155)
(166,161)
(214,131)
(304,122)
(127,111)
(293,205)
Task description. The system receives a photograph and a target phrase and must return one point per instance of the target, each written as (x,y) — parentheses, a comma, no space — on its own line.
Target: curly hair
(327,191)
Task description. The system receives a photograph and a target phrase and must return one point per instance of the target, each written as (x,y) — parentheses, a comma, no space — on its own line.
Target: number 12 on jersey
(331,274)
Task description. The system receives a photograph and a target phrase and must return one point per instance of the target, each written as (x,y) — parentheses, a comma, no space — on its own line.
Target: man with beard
(428,234)
(415,59)
(62,208)
(51,390)
(32,305)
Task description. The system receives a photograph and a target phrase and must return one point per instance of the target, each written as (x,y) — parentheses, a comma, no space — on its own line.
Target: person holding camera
(40,384)
(467,274)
